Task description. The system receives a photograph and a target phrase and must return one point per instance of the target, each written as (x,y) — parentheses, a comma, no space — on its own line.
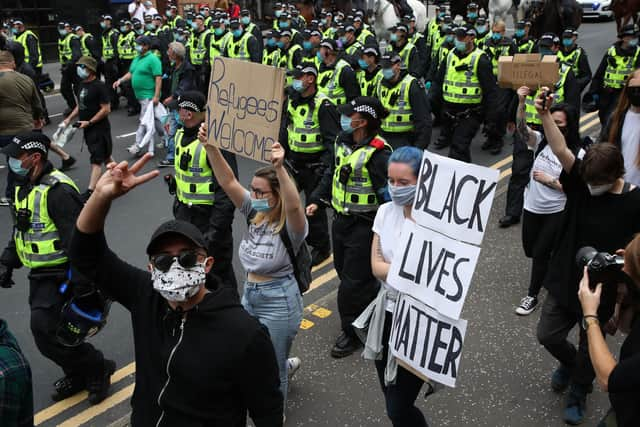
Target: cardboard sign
(454,198)
(433,268)
(245,107)
(527,70)
(431,344)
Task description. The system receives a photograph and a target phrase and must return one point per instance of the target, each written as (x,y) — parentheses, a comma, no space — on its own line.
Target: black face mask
(634,96)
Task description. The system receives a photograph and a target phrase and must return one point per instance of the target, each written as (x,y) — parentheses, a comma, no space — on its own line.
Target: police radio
(185,161)
(345,173)
(23,219)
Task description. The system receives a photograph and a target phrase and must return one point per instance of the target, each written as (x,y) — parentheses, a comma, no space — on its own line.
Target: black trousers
(352,238)
(606,104)
(538,237)
(110,71)
(318,238)
(127,89)
(461,132)
(554,326)
(40,94)
(520,172)
(69,85)
(400,397)
(82,360)
(220,247)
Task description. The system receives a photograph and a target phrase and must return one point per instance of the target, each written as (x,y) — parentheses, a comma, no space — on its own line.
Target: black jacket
(347,80)
(584,69)
(220,359)
(597,82)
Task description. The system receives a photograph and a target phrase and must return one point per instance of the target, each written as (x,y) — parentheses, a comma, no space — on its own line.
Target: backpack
(301,261)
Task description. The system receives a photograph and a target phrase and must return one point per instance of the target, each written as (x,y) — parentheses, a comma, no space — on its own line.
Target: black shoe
(495,150)
(345,346)
(317,256)
(508,221)
(67,163)
(67,387)
(98,385)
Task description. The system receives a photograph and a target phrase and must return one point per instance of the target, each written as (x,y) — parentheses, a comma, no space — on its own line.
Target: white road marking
(126,135)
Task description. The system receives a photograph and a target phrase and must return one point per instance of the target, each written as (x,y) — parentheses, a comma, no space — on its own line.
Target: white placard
(454,198)
(430,343)
(433,268)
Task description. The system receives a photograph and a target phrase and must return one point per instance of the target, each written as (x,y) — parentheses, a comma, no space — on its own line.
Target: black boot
(345,346)
(98,384)
(67,386)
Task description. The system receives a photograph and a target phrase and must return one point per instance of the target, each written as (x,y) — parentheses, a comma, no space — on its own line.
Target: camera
(23,219)
(602,267)
(344,174)
(544,96)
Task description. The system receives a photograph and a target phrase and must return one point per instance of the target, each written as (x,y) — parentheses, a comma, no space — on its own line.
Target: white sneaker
(4,201)
(133,149)
(527,305)
(293,364)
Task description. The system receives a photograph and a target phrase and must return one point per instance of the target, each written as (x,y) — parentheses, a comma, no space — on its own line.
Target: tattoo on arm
(521,123)
(379,250)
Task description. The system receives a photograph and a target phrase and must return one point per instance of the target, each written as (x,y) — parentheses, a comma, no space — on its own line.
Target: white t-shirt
(630,142)
(151,11)
(139,13)
(388,226)
(538,198)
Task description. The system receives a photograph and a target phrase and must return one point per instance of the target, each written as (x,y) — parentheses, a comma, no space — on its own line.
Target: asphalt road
(504,374)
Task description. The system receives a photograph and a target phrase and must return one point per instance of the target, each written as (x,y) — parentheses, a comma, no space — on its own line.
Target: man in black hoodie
(201,359)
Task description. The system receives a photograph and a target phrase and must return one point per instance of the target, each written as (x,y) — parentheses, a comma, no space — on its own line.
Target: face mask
(123,29)
(481,29)
(402,195)
(284,25)
(472,15)
(387,73)
(393,38)
(298,86)
(519,34)
(460,45)
(307,45)
(260,205)
(138,48)
(237,33)
(345,123)
(319,56)
(449,39)
(62,32)
(271,42)
(103,25)
(169,14)
(323,21)
(245,20)
(179,283)
(280,45)
(218,31)
(150,27)
(140,31)
(16,167)
(634,96)
(14,31)
(599,190)
(189,22)
(496,36)
(363,64)
(633,42)
(567,42)
(180,39)
(278,13)
(194,25)
(343,41)
(82,73)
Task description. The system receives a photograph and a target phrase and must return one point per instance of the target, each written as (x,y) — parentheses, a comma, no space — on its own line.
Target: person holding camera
(602,211)
(620,379)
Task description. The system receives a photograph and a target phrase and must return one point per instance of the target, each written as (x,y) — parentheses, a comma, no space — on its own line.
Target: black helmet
(82,316)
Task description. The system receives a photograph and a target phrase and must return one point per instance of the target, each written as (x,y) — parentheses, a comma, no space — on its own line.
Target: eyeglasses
(259,193)
(187,259)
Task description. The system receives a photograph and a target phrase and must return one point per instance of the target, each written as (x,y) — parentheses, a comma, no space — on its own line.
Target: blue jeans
(173,127)
(277,305)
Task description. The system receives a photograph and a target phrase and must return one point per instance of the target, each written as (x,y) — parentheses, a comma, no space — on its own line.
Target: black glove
(5,276)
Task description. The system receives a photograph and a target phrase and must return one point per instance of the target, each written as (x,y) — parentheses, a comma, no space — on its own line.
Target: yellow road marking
(311,307)
(321,280)
(306,324)
(322,313)
(587,116)
(59,407)
(502,162)
(505,173)
(96,410)
(323,264)
(589,125)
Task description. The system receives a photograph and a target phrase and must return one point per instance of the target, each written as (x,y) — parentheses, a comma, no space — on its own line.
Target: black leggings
(538,236)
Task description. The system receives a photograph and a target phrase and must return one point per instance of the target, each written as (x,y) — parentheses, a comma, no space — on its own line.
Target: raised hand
(119,178)
(277,155)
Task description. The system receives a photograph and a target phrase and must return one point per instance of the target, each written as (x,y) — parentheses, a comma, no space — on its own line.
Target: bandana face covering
(179,283)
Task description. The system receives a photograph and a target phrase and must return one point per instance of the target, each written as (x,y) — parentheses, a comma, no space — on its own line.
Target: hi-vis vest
(239,49)
(329,83)
(304,126)
(108,50)
(396,101)
(438,39)
(527,47)
(83,44)
(65,53)
(531,114)
(218,44)
(126,45)
(405,53)
(353,48)
(198,50)
(616,74)
(358,195)
(40,246)
(368,87)
(22,39)
(432,28)
(173,22)
(286,57)
(271,58)
(571,59)
(481,42)
(494,53)
(194,186)
(363,36)
(415,37)
(462,87)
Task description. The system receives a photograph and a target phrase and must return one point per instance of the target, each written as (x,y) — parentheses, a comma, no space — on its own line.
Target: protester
(623,128)
(271,208)
(16,390)
(136,10)
(602,211)
(619,379)
(200,358)
(93,111)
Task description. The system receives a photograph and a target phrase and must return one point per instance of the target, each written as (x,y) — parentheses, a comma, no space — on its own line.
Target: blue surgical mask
(245,20)
(139,31)
(103,25)
(260,205)
(271,42)
(150,27)
(496,36)
(519,34)
(284,25)
(567,42)
(363,64)
(345,124)
(402,195)
(227,22)
(319,56)
(298,86)
(460,45)
(633,42)
(448,39)
(194,25)
(138,48)
(481,29)
(343,40)
(472,15)
(280,44)
(14,31)
(123,29)
(237,33)
(180,39)
(62,32)
(82,73)
(387,73)
(278,13)
(323,22)
(393,37)
(16,167)
(307,45)
(218,31)
(168,13)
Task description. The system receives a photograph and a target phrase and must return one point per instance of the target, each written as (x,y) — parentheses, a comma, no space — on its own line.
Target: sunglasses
(187,259)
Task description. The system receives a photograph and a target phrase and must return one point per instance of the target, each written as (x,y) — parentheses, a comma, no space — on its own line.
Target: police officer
(308,131)
(88,45)
(68,53)
(614,69)
(336,78)
(278,10)
(173,19)
(206,12)
(46,205)
(311,39)
(465,87)
(369,73)
(219,38)
(405,98)
(250,26)
(433,27)
(355,185)
(328,25)
(350,44)
(363,34)
(407,51)
(446,47)
(524,42)
(110,58)
(126,53)
(483,35)
(284,23)
(242,45)
(199,198)
(418,40)
(437,39)
(472,15)
(575,57)
(199,46)
(271,53)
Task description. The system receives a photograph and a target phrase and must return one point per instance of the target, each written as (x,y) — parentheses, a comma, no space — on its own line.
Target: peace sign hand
(119,178)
